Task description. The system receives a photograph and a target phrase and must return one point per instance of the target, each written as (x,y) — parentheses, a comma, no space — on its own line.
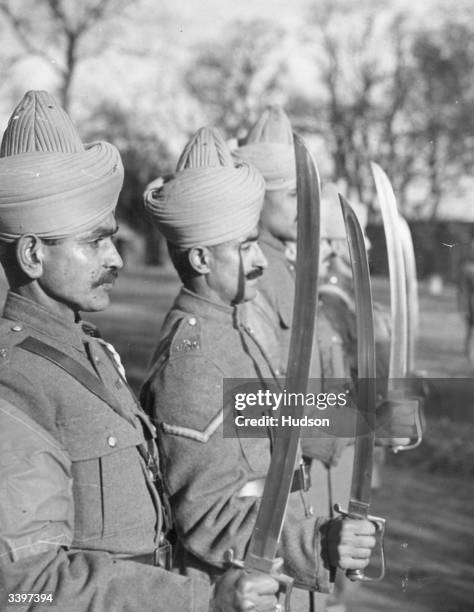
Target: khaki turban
(210,199)
(270,148)
(51,184)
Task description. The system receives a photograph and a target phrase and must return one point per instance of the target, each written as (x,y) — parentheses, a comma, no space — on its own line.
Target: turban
(270,148)
(51,184)
(332,221)
(210,199)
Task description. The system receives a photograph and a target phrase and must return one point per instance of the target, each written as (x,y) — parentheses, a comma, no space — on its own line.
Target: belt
(161,557)
(301,482)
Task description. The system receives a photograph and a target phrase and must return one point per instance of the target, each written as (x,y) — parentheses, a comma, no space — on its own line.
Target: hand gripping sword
(360,495)
(400,266)
(263,545)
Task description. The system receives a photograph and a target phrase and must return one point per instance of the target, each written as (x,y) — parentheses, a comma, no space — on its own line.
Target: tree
(445,57)
(234,78)
(145,156)
(61,32)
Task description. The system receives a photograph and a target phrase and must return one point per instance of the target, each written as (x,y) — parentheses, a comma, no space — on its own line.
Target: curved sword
(360,495)
(263,545)
(396,270)
(411,292)
(400,344)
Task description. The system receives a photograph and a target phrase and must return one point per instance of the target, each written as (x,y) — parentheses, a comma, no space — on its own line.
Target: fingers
(356,543)
(240,591)
(257,584)
(357,527)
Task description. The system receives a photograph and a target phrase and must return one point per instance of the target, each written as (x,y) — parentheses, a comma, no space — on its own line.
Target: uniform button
(3,352)
(277,372)
(17,328)
(192,321)
(112,441)
(97,359)
(250,330)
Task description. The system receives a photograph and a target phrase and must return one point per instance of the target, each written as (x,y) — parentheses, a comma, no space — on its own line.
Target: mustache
(108,278)
(253,274)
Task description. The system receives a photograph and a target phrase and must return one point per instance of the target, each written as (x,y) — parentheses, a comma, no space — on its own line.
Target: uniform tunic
(76,493)
(209,477)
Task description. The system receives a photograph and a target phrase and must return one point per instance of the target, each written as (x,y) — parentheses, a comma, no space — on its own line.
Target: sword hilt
(358,575)
(265,566)
(418,438)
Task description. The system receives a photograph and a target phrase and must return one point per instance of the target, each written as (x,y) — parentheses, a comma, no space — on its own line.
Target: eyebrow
(100,232)
(251,237)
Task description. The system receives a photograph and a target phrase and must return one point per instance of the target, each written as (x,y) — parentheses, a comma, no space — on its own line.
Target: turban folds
(50,183)
(270,148)
(210,199)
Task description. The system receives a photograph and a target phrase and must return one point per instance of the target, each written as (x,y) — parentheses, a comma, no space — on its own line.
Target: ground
(427,494)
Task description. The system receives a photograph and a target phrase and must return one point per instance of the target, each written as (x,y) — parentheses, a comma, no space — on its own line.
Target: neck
(32,291)
(200,286)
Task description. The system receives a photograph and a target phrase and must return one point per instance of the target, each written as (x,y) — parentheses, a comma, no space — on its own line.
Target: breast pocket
(105,461)
(257,454)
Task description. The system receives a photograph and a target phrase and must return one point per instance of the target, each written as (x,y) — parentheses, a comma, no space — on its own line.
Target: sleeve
(204,472)
(36,531)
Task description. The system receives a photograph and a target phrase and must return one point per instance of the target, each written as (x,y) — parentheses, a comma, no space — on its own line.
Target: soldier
(82,522)
(208,211)
(270,147)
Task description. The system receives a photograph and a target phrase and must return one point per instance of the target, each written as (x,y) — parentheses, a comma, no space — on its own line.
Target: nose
(260,259)
(113,259)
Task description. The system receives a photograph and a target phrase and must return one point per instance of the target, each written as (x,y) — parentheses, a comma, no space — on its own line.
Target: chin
(96,305)
(250,294)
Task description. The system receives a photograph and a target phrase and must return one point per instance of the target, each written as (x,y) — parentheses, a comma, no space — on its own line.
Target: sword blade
(413,310)
(396,269)
(366,394)
(263,544)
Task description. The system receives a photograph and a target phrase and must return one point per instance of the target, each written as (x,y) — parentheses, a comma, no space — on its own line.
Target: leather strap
(93,384)
(75,369)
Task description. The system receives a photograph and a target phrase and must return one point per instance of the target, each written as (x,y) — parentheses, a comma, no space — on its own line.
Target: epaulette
(187,336)
(11,334)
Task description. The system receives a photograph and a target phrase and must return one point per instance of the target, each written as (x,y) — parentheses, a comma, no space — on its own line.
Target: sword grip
(359,575)
(266,566)
(284,594)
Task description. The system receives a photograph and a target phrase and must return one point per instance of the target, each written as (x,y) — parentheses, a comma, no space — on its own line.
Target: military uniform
(277,286)
(330,459)
(214,482)
(80,513)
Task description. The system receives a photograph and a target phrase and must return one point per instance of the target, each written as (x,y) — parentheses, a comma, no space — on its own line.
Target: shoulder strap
(69,365)
(95,386)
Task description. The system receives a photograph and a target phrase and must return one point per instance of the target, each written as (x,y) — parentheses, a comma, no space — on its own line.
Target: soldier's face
(235,268)
(79,272)
(279,213)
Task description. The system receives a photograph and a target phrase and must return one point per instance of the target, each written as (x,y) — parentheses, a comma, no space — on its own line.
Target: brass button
(192,321)
(112,441)
(17,328)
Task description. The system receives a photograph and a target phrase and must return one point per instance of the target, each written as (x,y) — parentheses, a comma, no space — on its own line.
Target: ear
(200,259)
(30,255)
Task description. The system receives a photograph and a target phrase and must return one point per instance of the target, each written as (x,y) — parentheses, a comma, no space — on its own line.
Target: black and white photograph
(237,306)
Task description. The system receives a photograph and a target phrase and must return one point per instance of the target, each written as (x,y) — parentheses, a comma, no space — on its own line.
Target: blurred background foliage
(381,80)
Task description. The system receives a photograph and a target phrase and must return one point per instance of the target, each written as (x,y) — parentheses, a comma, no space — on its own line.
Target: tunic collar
(202,307)
(21,309)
